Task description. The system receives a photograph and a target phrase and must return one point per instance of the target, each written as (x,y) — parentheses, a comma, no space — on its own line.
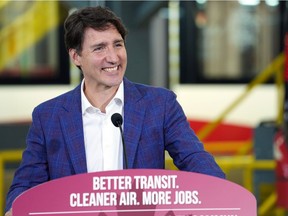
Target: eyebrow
(105,43)
(98,45)
(119,40)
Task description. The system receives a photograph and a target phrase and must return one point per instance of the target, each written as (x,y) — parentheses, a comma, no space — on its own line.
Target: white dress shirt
(103,144)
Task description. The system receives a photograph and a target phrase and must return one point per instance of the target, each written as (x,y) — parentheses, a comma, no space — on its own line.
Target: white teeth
(111,69)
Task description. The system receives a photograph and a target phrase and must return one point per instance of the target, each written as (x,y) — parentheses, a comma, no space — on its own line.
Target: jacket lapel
(72,127)
(134,113)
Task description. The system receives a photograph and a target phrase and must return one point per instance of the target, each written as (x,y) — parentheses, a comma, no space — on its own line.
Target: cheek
(123,54)
(124,58)
(92,63)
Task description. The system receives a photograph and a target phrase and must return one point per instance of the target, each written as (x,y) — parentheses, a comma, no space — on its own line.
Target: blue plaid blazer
(154,122)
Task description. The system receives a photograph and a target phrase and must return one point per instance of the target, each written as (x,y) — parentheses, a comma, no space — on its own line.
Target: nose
(112,56)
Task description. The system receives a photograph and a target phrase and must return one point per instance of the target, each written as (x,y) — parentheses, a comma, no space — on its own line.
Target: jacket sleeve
(33,169)
(182,144)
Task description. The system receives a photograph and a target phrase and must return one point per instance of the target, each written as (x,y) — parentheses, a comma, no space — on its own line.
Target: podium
(143,192)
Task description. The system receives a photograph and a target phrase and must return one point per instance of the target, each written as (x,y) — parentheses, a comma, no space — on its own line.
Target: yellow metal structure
(275,68)
(247,163)
(7,157)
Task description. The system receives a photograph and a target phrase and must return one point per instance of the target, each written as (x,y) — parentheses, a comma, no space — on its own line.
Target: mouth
(111,69)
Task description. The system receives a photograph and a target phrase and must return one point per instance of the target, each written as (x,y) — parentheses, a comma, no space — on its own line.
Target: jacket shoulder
(149,90)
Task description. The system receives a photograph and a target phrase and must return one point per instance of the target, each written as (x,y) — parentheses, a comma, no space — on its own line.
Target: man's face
(103,59)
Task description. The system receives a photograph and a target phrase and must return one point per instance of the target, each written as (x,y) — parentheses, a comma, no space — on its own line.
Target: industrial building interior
(225,60)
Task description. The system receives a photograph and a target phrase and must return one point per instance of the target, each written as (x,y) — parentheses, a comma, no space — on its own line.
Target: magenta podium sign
(143,192)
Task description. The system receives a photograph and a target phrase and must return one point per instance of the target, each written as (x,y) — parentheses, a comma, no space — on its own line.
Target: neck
(100,98)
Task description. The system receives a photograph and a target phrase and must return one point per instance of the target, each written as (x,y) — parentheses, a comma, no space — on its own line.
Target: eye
(98,48)
(119,44)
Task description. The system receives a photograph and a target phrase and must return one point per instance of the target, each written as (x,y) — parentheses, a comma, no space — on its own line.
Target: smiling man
(103,61)
(73,133)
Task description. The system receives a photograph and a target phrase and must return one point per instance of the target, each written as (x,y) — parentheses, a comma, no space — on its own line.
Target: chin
(115,82)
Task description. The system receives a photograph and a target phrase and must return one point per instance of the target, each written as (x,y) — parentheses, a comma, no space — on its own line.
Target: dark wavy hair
(99,18)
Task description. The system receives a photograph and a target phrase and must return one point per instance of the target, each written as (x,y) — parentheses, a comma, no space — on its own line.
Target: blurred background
(225,60)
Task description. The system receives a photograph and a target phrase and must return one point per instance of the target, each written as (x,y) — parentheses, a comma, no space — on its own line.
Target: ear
(75,57)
